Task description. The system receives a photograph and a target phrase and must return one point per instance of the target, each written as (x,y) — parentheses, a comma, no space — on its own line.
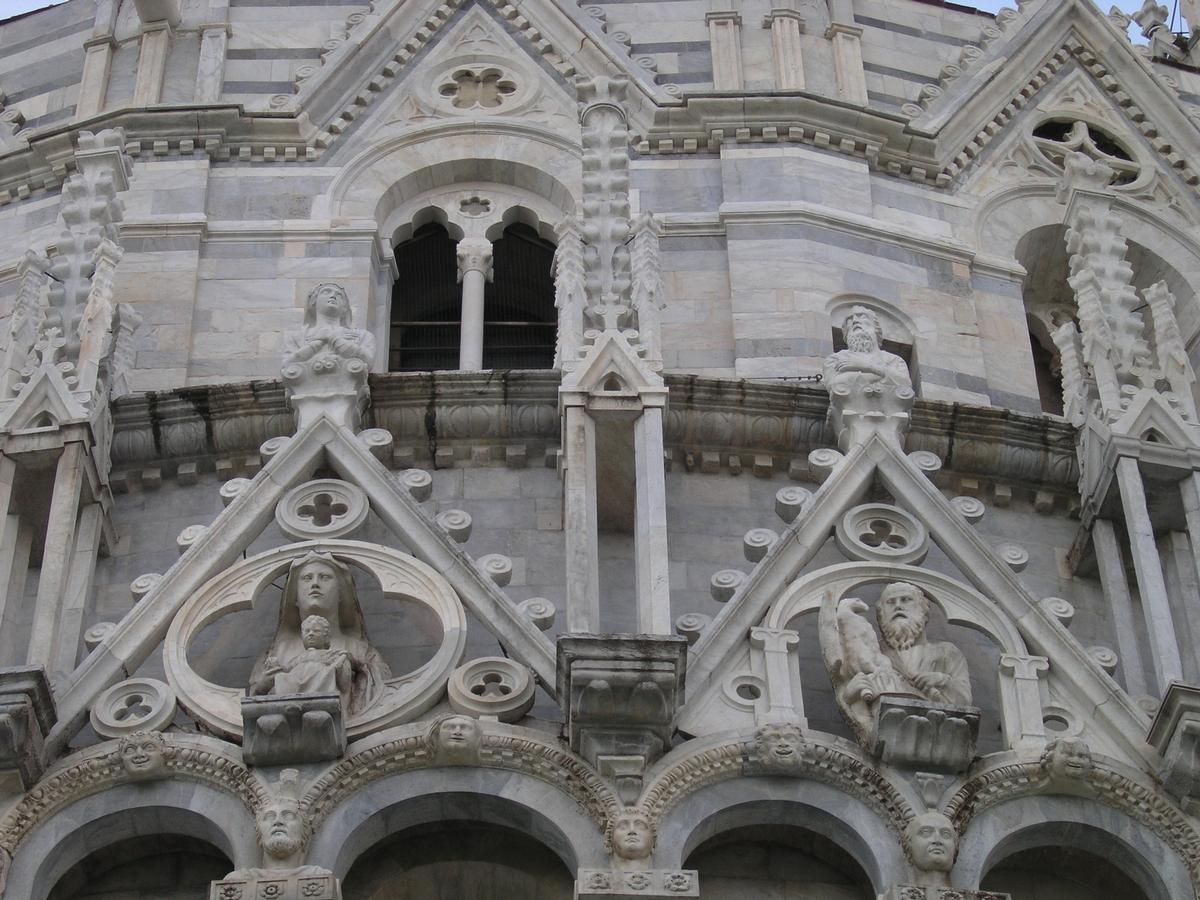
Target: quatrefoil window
(1058,137)
(477,88)
(323,510)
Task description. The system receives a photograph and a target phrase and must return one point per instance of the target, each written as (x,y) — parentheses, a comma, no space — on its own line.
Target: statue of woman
(327,337)
(319,585)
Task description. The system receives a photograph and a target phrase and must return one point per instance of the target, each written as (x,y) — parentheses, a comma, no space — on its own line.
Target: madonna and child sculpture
(318,671)
(320,644)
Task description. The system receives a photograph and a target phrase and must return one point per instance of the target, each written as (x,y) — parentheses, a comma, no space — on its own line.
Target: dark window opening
(519,317)
(1049,379)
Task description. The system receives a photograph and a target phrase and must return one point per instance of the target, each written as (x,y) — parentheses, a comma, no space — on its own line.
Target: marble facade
(850,547)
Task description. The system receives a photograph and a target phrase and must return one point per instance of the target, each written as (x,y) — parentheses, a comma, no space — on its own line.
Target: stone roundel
(136,704)
(491,686)
(324,508)
(877,532)
(402,578)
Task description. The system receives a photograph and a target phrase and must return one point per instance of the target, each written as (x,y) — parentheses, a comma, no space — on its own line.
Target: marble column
(210,69)
(581,528)
(1160,624)
(56,554)
(474,271)
(725,39)
(786,27)
(1116,592)
(152,63)
(778,646)
(93,83)
(650,525)
(848,62)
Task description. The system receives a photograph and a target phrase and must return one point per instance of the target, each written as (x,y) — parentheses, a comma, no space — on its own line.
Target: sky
(15,7)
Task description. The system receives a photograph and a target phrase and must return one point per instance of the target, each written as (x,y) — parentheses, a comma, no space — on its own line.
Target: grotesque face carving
(931,841)
(780,745)
(281,829)
(903,612)
(457,738)
(143,754)
(632,836)
(1067,758)
(861,330)
(318,591)
(314,633)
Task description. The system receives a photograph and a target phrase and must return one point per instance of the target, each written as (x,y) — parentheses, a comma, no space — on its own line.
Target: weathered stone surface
(291,729)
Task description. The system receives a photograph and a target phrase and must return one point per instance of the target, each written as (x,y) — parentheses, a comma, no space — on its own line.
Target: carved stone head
(327,301)
(903,613)
(631,836)
(862,330)
(455,740)
(931,840)
(1066,758)
(143,755)
(282,828)
(779,746)
(320,585)
(315,633)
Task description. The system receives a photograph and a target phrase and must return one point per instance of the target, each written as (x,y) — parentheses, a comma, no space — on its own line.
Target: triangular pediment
(1150,418)
(397,67)
(45,401)
(987,573)
(215,547)
(1050,54)
(612,368)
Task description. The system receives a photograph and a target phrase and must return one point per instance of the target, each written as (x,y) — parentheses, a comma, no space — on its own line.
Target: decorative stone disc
(136,704)
(242,586)
(324,508)
(877,532)
(491,686)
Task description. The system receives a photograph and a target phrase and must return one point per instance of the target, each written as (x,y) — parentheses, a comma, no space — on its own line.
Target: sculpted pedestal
(620,694)
(651,884)
(932,737)
(26,716)
(292,729)
(281,885)
(1175,734)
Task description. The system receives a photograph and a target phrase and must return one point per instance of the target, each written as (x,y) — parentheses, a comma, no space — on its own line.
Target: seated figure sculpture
(870,389)
(335,655)
(883,688)
(320,669)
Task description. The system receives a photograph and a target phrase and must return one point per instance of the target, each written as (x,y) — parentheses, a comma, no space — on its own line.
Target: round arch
(1029,822)
(409,799)
(1008,215)
(387,176)
(739,803)
(124,812)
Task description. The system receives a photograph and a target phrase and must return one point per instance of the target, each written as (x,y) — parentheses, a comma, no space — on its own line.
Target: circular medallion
(136,704)
(877,532)
(396,697)
(324,508)
(491,686)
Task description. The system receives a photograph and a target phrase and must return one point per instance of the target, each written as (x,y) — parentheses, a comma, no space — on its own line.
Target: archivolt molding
(1108,782)
(745,756)
(194,758)
(412,747)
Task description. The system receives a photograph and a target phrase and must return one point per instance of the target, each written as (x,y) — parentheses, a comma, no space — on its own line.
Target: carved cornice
(508,748)
(725,416)
(189,758)
(1139,800)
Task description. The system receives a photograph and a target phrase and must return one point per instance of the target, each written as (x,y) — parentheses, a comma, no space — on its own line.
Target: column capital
(474,255)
